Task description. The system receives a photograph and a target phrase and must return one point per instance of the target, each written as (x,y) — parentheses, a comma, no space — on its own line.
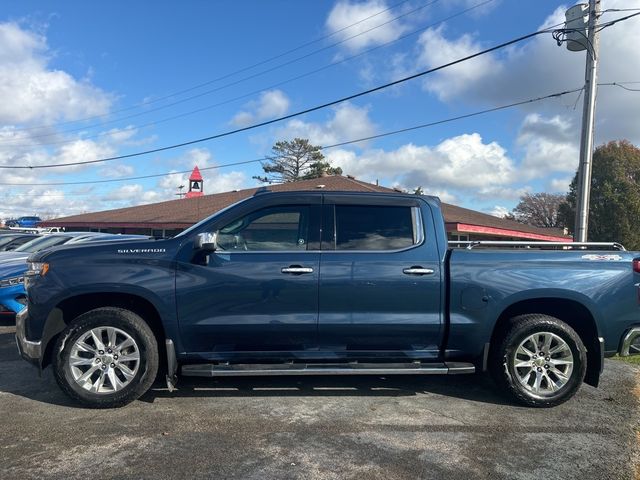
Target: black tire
(502,359)
(126,321)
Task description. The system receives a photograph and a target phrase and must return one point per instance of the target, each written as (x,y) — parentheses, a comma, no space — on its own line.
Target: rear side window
(376,227)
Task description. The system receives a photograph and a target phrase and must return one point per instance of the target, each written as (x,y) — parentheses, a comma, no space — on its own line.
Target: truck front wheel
(106,358)
(539,360)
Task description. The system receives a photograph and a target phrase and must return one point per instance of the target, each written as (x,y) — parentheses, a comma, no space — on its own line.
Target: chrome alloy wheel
(543,363)
(104,360)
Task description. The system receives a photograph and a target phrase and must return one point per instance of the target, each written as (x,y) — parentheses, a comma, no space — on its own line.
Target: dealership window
(458,238)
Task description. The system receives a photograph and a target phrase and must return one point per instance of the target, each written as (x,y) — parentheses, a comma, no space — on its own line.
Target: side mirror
(206,241)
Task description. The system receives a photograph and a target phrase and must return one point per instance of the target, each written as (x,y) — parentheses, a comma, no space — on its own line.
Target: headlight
(37,268)
(11,282)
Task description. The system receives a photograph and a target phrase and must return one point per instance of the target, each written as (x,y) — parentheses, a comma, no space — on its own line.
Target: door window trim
(417,223)
(314,214)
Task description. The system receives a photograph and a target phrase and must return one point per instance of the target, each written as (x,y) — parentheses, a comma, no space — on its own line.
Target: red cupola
(195,184)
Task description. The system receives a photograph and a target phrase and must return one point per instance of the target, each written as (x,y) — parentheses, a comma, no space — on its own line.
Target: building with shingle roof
(165,219)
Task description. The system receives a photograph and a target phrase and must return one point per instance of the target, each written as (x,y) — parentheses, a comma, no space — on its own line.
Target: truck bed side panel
(484,283)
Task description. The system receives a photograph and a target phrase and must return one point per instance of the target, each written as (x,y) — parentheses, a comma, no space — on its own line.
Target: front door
(374,293)
(259,290)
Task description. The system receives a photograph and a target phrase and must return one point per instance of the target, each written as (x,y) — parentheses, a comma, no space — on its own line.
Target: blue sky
(81,81)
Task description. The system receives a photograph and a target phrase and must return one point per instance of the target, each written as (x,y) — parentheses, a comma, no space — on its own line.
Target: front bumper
(29,350)
(630,344)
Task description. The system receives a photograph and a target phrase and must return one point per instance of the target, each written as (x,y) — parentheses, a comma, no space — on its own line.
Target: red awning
(501,232)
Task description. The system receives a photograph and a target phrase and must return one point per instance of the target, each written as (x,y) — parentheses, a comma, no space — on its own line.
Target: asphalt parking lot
(317,428)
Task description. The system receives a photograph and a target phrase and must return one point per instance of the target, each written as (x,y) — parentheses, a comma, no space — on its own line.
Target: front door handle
(416,270)
(296,270)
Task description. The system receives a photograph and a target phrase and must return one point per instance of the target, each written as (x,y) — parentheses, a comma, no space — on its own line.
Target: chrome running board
(353,368)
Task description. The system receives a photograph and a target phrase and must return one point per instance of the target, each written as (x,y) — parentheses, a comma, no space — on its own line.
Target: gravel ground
(318,428)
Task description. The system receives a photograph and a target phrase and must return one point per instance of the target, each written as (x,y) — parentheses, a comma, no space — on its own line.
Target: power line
(620,10)
(622,85)
(325,147)
(617,20)
(292,115)
(225,76)
(264,89)
(244,79)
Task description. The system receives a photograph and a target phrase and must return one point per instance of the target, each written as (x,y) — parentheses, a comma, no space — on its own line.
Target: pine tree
(295,160)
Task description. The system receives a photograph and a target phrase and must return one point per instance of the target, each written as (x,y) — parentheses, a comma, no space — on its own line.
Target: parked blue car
(12,294)
(13,265)
(24,222)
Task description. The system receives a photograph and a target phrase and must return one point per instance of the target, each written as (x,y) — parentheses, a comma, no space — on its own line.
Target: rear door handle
(296,270)
(418,271)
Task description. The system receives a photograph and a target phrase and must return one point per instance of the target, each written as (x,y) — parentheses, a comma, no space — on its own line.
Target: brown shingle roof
(187,211)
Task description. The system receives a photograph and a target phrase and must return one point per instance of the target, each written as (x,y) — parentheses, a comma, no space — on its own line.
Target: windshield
(42,243)
(4,239)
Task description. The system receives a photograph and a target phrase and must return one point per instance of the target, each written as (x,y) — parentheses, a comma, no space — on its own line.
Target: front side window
(374,227)
(268,229)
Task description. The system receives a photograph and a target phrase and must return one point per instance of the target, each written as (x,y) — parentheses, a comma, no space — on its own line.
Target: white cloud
(346,13)
(501,192)
(41,201)
(436,50)
(349,122)
(125,192)
(272,104)
(33,92)
(499,211)
(196,157)
(539,67)
(559,185)
(225,182)
(174,181)
(21,150)
(122,135)
(458,164)
(199,157)
(443,195)
(134,194)
(81,150)
(549,144)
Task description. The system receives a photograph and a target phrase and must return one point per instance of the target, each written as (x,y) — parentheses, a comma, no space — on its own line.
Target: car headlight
(12,282)
(37,268)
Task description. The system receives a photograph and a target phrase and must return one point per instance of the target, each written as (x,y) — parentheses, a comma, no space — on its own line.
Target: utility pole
(588,121)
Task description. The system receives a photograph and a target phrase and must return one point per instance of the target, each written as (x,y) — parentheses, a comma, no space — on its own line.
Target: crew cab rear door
(380,276)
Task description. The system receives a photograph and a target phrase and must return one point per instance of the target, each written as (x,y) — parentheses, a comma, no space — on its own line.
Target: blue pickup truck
(23,222)
(301,283)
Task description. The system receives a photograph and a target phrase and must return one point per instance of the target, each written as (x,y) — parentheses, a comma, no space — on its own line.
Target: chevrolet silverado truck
(302,283)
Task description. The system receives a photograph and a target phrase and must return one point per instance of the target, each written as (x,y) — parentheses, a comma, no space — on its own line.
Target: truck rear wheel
(106,358)
(539,360)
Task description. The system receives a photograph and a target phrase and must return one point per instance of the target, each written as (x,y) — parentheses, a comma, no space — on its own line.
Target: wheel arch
(573,313)
(72,307)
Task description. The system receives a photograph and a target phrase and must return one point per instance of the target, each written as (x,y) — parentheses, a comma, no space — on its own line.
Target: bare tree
(295,160)
(539,209)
